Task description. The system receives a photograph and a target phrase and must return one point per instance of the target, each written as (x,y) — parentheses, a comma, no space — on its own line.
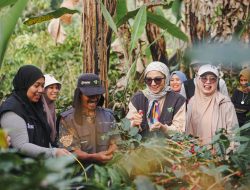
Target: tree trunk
(158,48)
(96,39)
(216,20)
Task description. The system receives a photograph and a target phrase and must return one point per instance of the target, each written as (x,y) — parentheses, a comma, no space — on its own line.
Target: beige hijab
(206,114)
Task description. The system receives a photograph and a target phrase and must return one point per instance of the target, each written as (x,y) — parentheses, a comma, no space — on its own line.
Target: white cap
(208,69)
(199,62)
(50,79)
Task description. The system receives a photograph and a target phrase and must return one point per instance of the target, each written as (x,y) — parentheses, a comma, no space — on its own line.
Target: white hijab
(161,67)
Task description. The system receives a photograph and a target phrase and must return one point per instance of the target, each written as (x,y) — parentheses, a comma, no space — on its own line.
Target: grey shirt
(17,130)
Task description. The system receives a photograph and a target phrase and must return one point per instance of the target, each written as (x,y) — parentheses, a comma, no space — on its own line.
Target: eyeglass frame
(202,78)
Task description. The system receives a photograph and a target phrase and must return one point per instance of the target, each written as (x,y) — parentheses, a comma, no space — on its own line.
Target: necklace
(243,98)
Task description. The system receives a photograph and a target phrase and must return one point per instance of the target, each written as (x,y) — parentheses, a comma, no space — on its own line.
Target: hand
(62,152)
(112,148)
(136,119)
(158,126)
(104,156)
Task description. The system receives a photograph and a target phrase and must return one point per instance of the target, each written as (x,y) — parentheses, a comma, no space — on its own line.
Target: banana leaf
(8,23)
(46,17)
(160,21)
(4,3)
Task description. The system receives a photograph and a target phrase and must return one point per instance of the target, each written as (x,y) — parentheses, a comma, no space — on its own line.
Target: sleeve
(68,138)
(179,120)
(131,111)
(231,123)
(16,127)
(189,128)
(231,118)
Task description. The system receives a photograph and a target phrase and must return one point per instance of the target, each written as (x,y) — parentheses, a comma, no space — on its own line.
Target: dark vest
(172,104)
(38,135)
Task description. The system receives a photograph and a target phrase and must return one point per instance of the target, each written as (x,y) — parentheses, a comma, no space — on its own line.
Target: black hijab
(25,77)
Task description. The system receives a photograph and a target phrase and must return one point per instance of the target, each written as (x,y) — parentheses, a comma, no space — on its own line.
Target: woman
(23,116)
(157,108)
(176,80)
(51,91)
(241,98)
(208,110)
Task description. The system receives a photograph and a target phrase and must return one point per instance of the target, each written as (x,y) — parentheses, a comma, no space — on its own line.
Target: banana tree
(130,47)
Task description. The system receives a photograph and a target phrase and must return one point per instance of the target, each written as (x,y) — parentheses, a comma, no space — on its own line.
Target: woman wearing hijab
(51,92)
(157,108)
(241,97)
(208,110)
(176,80)
(23,116)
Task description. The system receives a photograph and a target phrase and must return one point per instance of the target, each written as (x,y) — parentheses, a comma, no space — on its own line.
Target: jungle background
(116,39)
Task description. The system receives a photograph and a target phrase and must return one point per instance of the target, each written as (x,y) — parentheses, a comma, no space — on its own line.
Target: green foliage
(7,24)
(108,17)
(5,3)
(121,9)
(33,45)
(28,173)
(166,25)
(159,21)
(176,9)
(176,162)
(138,26)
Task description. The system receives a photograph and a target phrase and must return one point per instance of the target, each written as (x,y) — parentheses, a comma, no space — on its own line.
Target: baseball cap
(50,79)
(208,69)
(90,84)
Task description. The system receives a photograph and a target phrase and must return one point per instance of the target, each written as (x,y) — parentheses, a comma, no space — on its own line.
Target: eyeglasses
(156,80)
(210,79)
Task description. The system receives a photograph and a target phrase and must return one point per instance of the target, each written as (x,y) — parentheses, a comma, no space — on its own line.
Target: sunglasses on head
(157,80)
(204,79)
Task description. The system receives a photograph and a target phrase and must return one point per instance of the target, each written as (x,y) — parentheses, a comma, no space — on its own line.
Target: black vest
(172,104)
(38,134)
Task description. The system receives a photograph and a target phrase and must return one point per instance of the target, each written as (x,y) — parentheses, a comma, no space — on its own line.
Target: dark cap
(90,84)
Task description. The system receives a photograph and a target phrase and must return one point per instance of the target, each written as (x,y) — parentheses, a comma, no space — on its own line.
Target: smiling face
(175,83)
(35,91)
(243,81)
(52,91)
(90,102)
(156,85)
(208,84)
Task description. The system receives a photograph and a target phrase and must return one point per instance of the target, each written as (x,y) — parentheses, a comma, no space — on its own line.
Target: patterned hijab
(153,113)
